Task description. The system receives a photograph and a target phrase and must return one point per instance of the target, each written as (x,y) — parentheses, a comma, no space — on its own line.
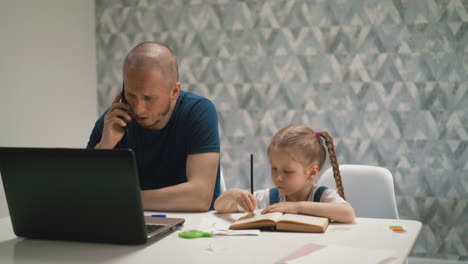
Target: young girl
(296,156)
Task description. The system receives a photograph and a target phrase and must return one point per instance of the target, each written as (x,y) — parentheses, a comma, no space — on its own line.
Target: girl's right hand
(244,199)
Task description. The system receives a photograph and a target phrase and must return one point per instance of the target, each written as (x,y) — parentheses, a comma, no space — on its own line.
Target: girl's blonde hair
(305,145)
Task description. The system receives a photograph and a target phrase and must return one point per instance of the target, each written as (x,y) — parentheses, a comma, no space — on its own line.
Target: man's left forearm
(181,197)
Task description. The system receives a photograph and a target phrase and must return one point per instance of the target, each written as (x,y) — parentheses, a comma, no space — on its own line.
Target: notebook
(79,195)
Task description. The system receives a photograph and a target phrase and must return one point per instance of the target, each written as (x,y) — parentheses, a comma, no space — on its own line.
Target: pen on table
(159,215)
(251,174)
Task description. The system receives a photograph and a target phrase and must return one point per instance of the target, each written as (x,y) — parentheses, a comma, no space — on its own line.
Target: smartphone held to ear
(123,100)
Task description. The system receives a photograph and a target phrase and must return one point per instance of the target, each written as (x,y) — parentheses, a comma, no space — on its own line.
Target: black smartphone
(123,100)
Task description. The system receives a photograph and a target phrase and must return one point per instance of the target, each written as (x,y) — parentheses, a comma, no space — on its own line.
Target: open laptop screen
(73,194)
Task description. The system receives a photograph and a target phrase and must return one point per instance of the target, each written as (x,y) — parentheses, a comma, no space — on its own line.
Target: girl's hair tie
(318,134)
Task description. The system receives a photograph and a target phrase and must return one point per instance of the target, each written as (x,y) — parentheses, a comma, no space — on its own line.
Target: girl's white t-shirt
(263,197)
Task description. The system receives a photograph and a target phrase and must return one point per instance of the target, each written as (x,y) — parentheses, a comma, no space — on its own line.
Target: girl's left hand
(283,207)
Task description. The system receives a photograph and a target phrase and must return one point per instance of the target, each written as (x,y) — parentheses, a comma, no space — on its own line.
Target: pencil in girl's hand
(251,174)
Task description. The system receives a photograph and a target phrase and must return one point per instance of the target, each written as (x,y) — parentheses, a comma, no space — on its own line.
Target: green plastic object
(194,234)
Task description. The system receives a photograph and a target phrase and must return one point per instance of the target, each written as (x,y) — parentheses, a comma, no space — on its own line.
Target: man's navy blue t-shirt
(161,156)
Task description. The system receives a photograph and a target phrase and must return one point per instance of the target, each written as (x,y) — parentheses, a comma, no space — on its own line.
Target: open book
(282,222)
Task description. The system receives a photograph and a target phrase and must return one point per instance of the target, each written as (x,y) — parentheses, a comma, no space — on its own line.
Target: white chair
(368,189)
(222,184)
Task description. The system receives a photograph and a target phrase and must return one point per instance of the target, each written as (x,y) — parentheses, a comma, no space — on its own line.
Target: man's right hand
(115,122)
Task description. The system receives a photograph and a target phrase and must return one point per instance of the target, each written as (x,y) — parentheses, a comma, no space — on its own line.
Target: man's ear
(176,91)
(313,172)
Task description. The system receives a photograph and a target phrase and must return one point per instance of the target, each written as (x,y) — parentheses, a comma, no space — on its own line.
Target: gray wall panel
(388,80)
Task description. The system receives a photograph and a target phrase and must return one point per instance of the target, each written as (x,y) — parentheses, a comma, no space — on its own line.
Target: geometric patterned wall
(387,79)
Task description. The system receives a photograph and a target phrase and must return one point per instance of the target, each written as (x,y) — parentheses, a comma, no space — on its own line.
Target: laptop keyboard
(152,228)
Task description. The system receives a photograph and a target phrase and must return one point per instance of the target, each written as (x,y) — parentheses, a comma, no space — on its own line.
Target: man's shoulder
(190,101)
(100,120)
(191,97)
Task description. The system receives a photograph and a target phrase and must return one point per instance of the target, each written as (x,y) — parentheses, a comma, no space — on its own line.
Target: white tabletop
(268,247)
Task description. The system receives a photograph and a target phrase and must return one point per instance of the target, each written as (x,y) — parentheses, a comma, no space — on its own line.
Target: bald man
(173,133)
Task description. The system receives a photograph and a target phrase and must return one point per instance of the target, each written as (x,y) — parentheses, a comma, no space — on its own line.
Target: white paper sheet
(219,226)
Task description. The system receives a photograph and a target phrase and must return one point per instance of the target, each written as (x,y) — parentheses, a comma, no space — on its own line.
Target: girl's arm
(340,212)
(227,202)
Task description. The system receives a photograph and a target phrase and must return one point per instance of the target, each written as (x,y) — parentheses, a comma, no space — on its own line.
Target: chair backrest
(222,183)
(368,189)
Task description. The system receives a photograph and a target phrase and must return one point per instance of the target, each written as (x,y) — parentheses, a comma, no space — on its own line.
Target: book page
(259,217)
(304,219)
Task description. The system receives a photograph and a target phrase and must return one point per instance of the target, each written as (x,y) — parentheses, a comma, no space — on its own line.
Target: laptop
(79,195)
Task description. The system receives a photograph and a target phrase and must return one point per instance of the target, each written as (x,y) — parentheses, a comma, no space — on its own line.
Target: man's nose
(138,107)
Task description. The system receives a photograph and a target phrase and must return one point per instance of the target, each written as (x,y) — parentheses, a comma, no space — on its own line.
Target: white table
(269,247)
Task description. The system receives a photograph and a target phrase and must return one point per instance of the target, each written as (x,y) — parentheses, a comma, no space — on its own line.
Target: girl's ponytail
(333,161)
